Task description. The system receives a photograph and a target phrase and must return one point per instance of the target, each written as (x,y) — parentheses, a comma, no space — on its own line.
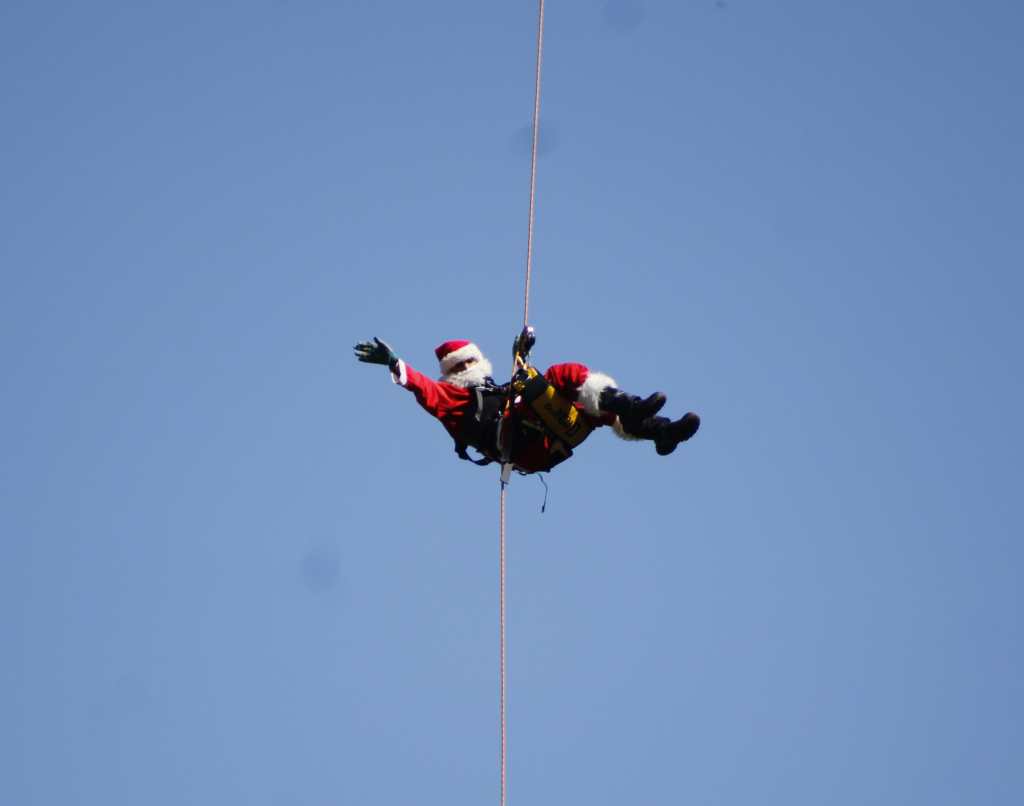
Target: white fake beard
(472,375)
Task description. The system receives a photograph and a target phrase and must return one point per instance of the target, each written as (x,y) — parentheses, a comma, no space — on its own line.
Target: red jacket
(450,403)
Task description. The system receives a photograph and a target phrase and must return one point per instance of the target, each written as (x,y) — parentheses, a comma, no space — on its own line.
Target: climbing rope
(506,469)
(533,162)
(501,619)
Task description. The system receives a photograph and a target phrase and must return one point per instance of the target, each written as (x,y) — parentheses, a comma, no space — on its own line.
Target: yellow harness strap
(560,416)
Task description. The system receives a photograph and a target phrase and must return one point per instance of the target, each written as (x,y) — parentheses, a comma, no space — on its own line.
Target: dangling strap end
(543,506)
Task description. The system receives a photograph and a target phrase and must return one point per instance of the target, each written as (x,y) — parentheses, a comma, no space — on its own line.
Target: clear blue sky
(240,568)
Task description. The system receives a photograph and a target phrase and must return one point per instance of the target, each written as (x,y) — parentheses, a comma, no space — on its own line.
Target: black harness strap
(460,451)
(479,426)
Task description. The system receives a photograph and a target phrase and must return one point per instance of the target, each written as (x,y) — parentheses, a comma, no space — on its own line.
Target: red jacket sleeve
(445,401)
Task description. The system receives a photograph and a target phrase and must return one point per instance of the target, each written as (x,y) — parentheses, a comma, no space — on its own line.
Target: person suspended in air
(535,421)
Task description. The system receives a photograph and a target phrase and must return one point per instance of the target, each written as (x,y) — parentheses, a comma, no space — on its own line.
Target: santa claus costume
(479,413)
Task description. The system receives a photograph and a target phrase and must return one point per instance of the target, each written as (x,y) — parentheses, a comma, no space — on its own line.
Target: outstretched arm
(439,399)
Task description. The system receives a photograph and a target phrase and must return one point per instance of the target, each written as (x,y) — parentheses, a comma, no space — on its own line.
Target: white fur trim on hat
(589,394)
(456,357)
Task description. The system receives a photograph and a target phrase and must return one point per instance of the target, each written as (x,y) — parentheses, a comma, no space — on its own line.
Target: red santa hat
(452,353)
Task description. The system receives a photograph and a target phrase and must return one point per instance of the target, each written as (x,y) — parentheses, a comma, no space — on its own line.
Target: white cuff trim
(621,432)
(400,377)
(589,394)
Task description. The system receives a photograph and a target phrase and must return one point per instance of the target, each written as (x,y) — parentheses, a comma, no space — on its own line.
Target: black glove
(524,342)
(376,352)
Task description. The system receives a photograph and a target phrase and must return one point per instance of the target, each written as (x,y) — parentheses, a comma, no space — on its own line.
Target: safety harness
(562,419)
(479,427)
(504,418)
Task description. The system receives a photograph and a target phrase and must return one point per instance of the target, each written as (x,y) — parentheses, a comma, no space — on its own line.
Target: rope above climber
(536,420)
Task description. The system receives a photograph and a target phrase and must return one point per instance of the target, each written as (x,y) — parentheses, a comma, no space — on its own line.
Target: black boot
(630,409)
(670,434)
(665,433)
